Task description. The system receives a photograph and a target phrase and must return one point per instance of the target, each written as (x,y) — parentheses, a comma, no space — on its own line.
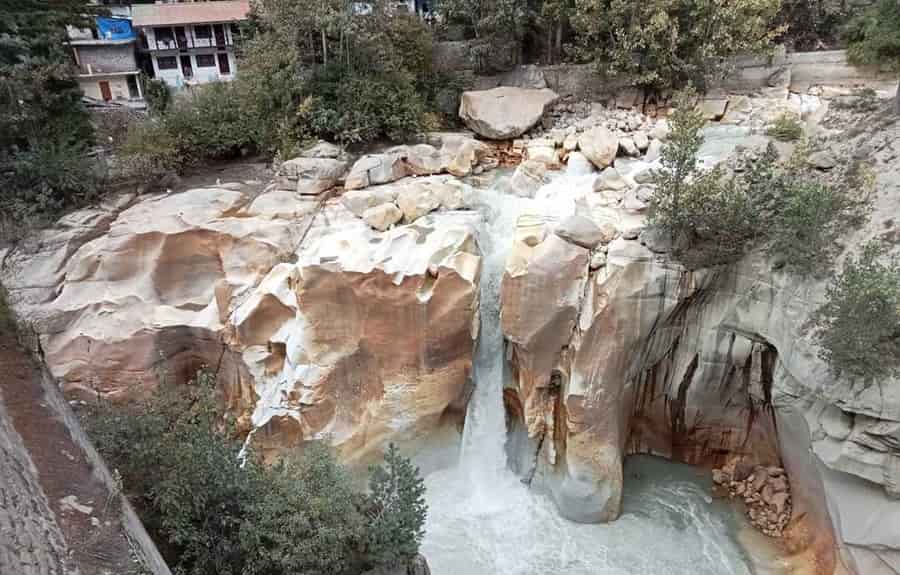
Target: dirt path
(54,514)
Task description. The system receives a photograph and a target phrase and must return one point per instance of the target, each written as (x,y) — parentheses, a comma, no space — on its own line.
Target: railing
(188,42)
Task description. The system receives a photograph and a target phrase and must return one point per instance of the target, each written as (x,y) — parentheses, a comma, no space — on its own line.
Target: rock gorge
(355,316)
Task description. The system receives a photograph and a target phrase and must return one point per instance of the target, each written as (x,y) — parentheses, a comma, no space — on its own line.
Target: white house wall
(175,77)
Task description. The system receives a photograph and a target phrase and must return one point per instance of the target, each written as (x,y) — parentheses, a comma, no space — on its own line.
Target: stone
(609,179)
(628,147)
(383,216)
(528,178)
(656,240)
(641,140)
(358,201)
(713,108)
(418,198)
(543,151)
(323,149)
(653,150)
(599,145)
(608,232)
(660,131)
(193,278)
(579,230)
(504,113)
(644,176)
(822,160)
(464,155)
(633,203)
(570,144)
(779,501)
(313,175)
(530,229)
(598,260)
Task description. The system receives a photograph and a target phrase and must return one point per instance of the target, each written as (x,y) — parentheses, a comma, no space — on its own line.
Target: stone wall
(794,72)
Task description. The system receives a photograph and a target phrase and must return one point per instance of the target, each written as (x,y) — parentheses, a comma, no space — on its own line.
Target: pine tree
(396,510)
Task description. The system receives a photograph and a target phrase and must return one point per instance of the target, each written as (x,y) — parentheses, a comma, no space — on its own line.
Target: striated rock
(313,175)
(360,335)
(528,178)
(580,231)
(504,113)
(358,201)
(628,147)
(383,216)
(610,179)
(599,145)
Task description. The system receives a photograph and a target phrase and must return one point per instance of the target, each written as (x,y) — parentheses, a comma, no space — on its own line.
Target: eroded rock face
(316,325)
(504,113)
(698,367)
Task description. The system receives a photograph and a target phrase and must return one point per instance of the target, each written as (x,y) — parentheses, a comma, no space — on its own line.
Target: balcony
(185,42)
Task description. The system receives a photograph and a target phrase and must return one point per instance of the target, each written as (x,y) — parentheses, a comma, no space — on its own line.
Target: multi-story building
(104,54)
(190,43)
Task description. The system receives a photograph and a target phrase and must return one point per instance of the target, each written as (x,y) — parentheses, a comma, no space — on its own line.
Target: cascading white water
(483,520)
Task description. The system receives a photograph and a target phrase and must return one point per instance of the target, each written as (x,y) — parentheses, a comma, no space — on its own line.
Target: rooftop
(189,13)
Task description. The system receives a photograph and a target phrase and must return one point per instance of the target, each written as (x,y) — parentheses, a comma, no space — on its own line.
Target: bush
(207,124)
(213,514)
(354,109)
(38,183)
(714,218)
(157,94)
(858,327)
(786,128)
(664,44)
(874,39)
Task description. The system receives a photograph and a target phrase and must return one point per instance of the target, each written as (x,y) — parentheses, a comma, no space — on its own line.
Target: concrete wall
(795,72)
(106,58)
(141,541)
(118,86)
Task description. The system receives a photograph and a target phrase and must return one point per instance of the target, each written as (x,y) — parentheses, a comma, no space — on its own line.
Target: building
(190,43)
(104,54)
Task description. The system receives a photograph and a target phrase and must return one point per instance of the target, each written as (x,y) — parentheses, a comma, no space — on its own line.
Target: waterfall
(482,520)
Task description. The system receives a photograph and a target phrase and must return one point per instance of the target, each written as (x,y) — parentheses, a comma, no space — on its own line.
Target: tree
(44,128)
(858,326)
(396,510)
(213,508)
(874,39)
(665,44)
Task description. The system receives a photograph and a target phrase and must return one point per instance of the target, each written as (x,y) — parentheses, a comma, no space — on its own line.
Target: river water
(483,520)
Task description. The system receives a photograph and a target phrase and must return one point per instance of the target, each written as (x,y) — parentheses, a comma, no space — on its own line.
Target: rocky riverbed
(345,299)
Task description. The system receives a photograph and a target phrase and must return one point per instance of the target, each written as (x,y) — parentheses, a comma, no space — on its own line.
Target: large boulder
(313,175)
(456,156)
(316,325)
(504,113)
(599,145)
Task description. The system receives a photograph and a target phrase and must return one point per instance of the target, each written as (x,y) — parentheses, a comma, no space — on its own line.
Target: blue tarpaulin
(114,28)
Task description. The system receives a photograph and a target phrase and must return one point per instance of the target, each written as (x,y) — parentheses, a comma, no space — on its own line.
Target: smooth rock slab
(504,113)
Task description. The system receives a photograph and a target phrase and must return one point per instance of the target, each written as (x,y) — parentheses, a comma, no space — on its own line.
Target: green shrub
(861,101)
(858,327)
(664,44)
(205,125)
(354,109)
(37,184)
(213,513)
(157,94)
(786,128)
(874,39)
(714,218)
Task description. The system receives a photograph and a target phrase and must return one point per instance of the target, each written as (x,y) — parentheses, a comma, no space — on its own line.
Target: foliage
(157,94)
(714,218)
(8,325)
(500,25)
(663,44)
(858,327)
(41,115)
(787,128)
(862,100)
(214,513)
(812,24)
(874,38)
(207,124)
(395,510)
(711,220)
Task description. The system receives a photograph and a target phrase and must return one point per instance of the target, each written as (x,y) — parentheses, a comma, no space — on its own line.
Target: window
(165,38)
(206,60)
(167,62)
(203,32)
